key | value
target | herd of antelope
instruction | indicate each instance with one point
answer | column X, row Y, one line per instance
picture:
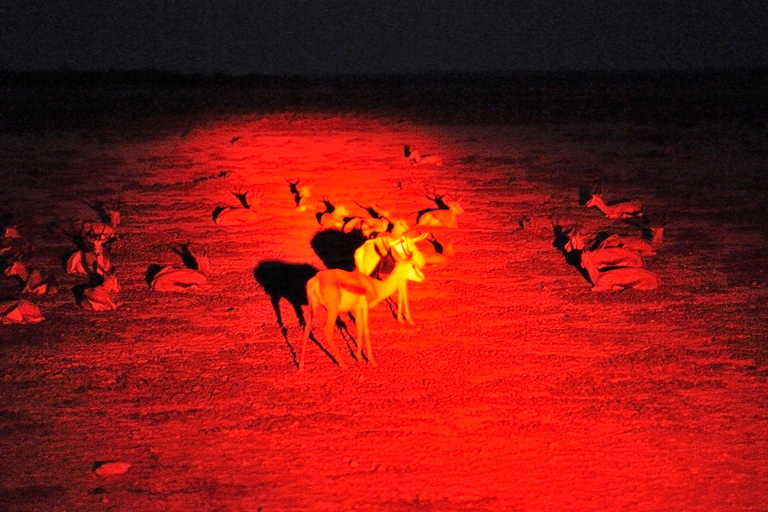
column 394, row 251
column 388, row 258
column 612, row 261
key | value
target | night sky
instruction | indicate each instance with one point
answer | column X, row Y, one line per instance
column 393, row 36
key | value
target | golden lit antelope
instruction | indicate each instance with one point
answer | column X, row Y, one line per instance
column 418, row 159
column 336, row 217
column 370, row 256
column 192, row 277
column 620, row 210
column 339, row 291
column 302, row 197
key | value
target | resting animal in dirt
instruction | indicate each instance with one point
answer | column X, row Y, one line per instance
column 418, row 159
column 19, row 312
column 439, row 217
column 85, row 261
column 192, row 277
column 97, row 295
column 303, row 198
column 238, row 215
column 615, row 279
column 34, row 282
column 580, row 241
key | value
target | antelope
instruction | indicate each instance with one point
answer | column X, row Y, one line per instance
column 237, row 215
column 34, row 281
column 617, row 279
column 381, row 222
column 335, row 217
column 339, row 291
column 9, row 233
column 620, row 279
column 193, row 276
column 104, row 228
column 98, row 296
column 621, row 210
column 611, row 257
column 84, row 262
column 303, row 198
column 108, row 216
column 370, row 256
column 19, row 312
column 443, row 218
column 418, row 159
column 578, row 241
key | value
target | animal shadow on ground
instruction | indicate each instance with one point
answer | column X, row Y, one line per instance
column 283, row 280
column 336, row 249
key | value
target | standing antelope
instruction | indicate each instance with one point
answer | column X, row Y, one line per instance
column 370, row 256
column 339, row 291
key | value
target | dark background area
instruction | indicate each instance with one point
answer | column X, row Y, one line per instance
column 296, row 37
column 58, row 100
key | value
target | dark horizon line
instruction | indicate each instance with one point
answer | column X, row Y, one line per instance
column 161, row 73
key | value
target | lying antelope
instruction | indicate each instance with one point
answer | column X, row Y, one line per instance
column 620, row 210
column 192, row 277
column 98, row 295
column 618, row 279
column 440, row 218
column 370, row 256
column 238, row 215
column 339, row 291
column 33, row 281
column 109, row 217
column 9, row 233
column 335, row 217
column 84, row 261
column 418, row 159
column 611, row 257
column 381, row 222
column 579, row 241
column 302, row 196
column 19, row 312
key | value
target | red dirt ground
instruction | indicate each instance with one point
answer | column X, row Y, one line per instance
column 516, row 389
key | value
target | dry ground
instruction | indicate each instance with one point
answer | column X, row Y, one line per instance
column 517, row 389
